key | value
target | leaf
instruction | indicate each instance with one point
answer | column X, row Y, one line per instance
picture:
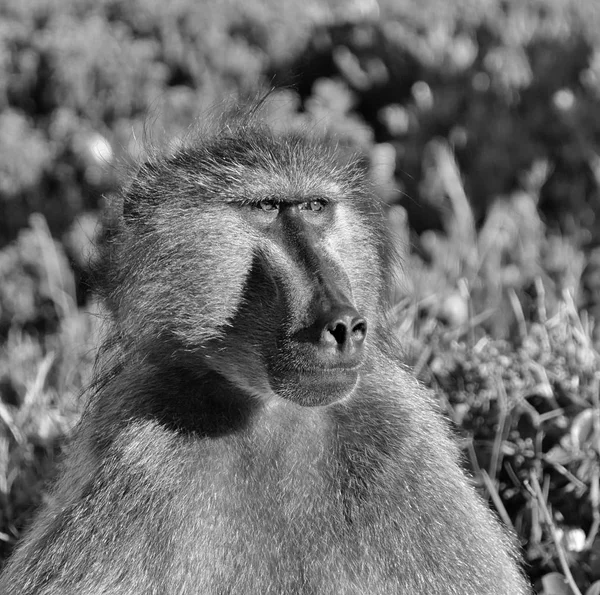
column 558, row 455
column 582, row 428
column 554, row 583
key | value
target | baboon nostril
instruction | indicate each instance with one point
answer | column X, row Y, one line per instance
column 339, row 332
column 359, row 329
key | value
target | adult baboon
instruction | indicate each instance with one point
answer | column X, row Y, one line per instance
column 253, row 431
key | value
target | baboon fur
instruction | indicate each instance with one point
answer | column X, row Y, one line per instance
column 203, row 463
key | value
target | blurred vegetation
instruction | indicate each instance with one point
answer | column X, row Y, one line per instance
column 480, row 122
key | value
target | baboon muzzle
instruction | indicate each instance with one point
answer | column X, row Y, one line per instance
column 335, row 329
column 342, row 334
column 345, row 330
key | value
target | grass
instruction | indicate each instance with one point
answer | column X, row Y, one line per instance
column 490, row 321
column 44, row 367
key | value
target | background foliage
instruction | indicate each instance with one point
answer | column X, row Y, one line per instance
column 480, row 123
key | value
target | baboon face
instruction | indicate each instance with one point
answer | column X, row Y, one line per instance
column 258, row 265
column 298, row 312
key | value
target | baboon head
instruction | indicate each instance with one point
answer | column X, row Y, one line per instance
column 253, row 255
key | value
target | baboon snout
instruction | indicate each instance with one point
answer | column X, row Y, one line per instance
column 342, row 334
column 344, row 329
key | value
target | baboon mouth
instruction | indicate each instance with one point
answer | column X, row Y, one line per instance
column 330, row 374
column 323, row 374
column 331, row 368
column 316, row 387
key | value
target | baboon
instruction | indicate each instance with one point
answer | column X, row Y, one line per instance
column 251, row 430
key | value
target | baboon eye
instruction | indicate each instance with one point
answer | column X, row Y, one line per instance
column 267, row 205
column 313, row 205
